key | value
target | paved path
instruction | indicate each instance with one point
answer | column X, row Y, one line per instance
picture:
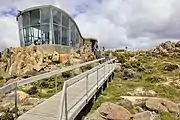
column 50, row 109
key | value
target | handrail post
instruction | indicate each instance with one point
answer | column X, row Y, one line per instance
column 114, row 63
column 108, row 68
column 97, row 76
column 62, row 102
column 16, row 100
column 56, row 83
column 65, row 102
column 104, row 70
column 87, row 83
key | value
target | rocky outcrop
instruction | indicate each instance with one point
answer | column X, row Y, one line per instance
column 162, row 105
column 146, row 115
column 21, row 61
column 129, row 74
column 110, row 111
column 25, row 103
column 171, row 66
column 64, row 58
column 168, row 48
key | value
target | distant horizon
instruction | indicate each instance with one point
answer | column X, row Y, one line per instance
column 112, row 49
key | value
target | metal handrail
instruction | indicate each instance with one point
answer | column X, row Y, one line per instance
column 72, row 81
column 7, row 88
column 13, row 86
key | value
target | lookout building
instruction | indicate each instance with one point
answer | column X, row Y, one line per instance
column 49, row 25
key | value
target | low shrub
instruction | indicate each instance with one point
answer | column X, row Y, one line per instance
column 7, row 115
column 67, row 74
column 33, row 90
column 155, row 79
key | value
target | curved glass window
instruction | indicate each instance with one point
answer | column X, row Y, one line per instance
column 57, row 34
column 45, row 15
column 45, row 34
column 65, row 20
column 34, row 17
column 56, row 17
column 65, row 36
column 47, row 25
column 26, row 19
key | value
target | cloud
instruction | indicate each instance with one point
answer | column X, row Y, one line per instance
column 138, row 24
column 8, row 32
column 8, row 9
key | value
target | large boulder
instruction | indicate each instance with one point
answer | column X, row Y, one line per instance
column 146, row 115
column 130, row 74
column 64, row 58
column 110, row 111
column 22, row 96
column 177, row 44
column 125, row 103
column 162, row 105
column 55, row 57
column 142, row 116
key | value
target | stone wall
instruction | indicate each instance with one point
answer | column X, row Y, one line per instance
column 51, row 48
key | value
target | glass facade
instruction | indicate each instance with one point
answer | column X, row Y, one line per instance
column 47, row 25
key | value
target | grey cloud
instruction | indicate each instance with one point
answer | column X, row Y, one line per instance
column 139, row 24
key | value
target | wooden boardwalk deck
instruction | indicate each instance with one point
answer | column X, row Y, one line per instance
column 79, row 91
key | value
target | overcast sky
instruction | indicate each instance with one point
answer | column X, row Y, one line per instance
column 138, row 24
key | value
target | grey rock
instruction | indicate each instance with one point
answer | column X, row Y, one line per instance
column 142, row 116
column 125, row 103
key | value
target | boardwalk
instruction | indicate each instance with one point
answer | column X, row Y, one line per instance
column 79, row 91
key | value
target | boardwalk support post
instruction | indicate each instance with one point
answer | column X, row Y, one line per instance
column 65, row 102
column 97, row 76
column 107, row 84
column 16, row 100
column 102, row 89
column 104, row 69
column 87, row 88
column 56, row 83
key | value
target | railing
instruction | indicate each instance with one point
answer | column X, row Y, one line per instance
column 13, row 86
column 86, row 87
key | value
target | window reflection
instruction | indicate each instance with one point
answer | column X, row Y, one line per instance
column 45, row 15
column 26, row 19
column 56, row 17
column 48, row 25
column 65, row 20
column 57, row 34
column 65, row 36
column 35, row 17
column 45, row 34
